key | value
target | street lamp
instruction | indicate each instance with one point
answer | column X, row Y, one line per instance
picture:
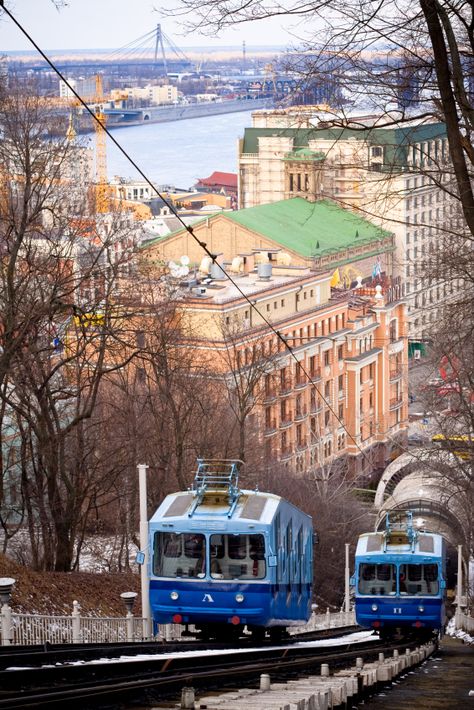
column 128, row 599
column 6, row 586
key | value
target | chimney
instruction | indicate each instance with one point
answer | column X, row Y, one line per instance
column 249, row 262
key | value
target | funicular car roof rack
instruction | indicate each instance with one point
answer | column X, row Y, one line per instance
column 217, row 476
column 400, row 530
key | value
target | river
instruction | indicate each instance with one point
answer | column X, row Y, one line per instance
column 179, row 152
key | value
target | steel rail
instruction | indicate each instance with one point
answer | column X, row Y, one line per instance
column 168, row 679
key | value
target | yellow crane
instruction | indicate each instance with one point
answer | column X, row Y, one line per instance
column 100, row 147
column 96, row 103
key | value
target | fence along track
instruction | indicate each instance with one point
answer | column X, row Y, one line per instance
column 33, row 629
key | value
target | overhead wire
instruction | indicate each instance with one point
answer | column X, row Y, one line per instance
column 187, row 227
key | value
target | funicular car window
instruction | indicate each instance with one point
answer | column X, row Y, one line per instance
column 179, row 554
column 237, row 556
column 377, row 579
column 419, row 580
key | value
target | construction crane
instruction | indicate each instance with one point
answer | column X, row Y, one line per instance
column 100, row 147
column 269, row 77
column 96, row 102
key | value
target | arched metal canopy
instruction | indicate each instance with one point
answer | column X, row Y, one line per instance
column 425, row 484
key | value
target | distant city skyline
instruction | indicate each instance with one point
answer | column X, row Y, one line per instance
column 110, row 24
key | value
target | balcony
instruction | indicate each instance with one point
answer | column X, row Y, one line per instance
column 270, row 428
column 315, row 407
column 396, row 402
column 301, row 445
column 286, row 420
column 395, row 346
column 301, row 382
column 315, row 375
column 286, row 453
column 395, row 374
column 269, row 395
column 300, row 414
column 286, row 387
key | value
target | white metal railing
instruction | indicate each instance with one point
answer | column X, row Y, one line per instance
column 29, row 629
column 318, row 622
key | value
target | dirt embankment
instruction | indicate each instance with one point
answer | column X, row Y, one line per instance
column 54, row 592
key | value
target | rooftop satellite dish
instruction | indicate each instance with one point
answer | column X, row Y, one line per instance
column 185, row 260
column 176, row 270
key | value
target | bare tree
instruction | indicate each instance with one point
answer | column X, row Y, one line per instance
column 62, row 331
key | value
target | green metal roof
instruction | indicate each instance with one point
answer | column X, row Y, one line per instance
column 396, row 141
column 308, row 228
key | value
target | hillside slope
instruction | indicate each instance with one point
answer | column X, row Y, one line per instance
column 54, row 592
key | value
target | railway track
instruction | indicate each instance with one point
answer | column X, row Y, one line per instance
column 89, row 683
column 51, row 654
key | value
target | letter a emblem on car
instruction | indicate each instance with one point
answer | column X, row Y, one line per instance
column 208, row 598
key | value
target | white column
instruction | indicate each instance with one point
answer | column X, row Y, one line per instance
column 459, row 589
column 144, row 569
column 347, row 607
column 6, row 626
column 76, row 622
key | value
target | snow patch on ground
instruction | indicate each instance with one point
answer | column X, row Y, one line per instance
column 451, row 630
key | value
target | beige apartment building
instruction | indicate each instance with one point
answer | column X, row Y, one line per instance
column 153, row 94
column 388, row 174
column 340, row 397
column 341, row 394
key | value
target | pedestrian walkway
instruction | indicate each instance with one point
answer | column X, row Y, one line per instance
column 442, row 683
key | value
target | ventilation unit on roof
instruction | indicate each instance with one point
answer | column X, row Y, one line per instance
column 217, row 272
column 264, row 271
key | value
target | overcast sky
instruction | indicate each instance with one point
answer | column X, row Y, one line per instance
column 87, row 24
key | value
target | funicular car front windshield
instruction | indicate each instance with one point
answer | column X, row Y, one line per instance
column 237, row 556
column 404, row 579
column 419, row 580
column 378, row 579
column 179, row 555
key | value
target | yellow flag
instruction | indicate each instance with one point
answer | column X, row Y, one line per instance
column 336, row 279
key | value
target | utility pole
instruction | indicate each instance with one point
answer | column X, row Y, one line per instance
column 145, row 567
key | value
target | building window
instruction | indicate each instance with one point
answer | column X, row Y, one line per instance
column 393, row 330
column 340, row 352
column 327, row 360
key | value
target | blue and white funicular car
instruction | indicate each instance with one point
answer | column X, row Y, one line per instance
column 400, row 579
column 224, row 558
